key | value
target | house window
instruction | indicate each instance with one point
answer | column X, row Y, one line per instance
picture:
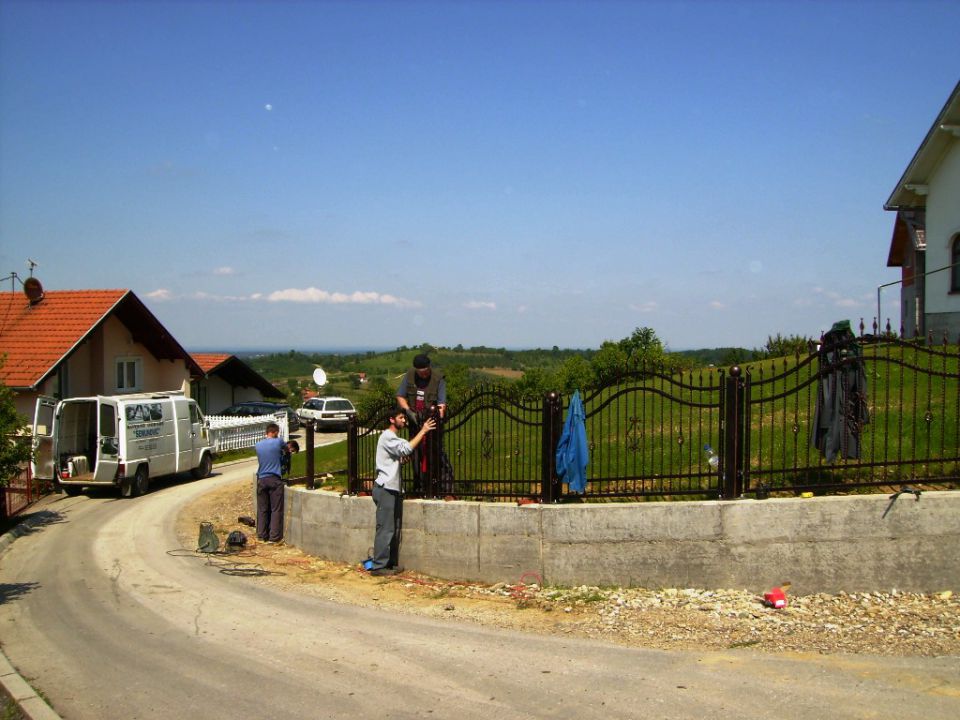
column 955, row 262
column 129, row 374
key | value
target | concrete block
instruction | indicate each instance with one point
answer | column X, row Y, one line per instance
column 632, row 564
column 441, row 538
column 509, row 542
column 16, row 687
column 36, row 708
column 596, row 523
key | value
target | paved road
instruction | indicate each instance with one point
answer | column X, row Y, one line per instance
column 101, row 613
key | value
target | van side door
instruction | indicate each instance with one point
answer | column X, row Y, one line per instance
column 198, row 432
column 184, row 434
column 108, row 442
column 43, row 464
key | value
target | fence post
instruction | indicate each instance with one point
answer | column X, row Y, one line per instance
column 431, row 446
column 550, row 485
column 353, row 482
column 309, row 439
column 732, row 478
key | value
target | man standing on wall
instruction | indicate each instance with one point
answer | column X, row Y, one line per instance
column 392, row 450
column 421, row 388
column 271, row 452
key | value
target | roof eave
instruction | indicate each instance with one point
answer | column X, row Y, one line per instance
column 910, row 191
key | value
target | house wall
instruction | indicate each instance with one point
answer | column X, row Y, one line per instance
column 157, row 374
column 943, row 223
column 221, row 394
column 91, row 369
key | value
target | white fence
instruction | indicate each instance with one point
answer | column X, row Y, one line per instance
column 228, row 432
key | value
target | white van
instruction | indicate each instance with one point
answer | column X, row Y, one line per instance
column 119, row 440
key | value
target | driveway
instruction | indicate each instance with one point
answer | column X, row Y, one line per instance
column 108, row 617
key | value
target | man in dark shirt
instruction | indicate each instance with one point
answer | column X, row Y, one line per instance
column 422, row 388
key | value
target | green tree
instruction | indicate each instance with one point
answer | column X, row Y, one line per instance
column 534, row 383
column 574, row 373
column 643, row 347
column 457, row 377
column 608, row 362
column 781, row 346
column 379, row 393
column 14, row 448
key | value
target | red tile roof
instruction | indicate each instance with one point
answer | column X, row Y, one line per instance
column 35, row 338
column 208, row 362
column 236, row 372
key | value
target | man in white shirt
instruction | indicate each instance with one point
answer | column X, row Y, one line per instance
column 392, row 450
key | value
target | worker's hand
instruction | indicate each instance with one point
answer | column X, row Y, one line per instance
column 428, row 425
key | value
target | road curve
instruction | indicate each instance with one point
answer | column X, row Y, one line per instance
column 100, row 612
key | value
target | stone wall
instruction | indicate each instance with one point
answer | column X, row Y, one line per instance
column 856, row 543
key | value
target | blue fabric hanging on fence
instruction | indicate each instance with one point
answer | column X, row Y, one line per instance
column 572, row 452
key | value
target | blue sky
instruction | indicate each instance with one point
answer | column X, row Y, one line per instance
column 519, row 174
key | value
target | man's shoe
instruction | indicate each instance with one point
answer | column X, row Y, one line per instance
column 397, row 568
column 383, row 571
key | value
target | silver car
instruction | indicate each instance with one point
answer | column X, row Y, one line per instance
column 328, row 412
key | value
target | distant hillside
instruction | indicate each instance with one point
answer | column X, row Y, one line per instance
column 716, row 356
column 295, row 364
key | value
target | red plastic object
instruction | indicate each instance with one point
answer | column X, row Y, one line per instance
column 775, row 598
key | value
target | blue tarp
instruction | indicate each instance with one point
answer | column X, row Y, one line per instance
column 572, row 452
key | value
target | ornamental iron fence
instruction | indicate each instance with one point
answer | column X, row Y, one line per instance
column 851, row 414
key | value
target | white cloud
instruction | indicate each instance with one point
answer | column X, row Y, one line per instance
column 480, row 305
column 224, row 270
column 839, row 300
column 717, row 305
column 645, row 307
column 295, row 295
column 358, row 297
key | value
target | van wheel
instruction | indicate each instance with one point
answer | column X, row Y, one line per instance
column 141, row 480
column 204, row 468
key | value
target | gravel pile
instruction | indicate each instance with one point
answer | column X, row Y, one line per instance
column 887, row 623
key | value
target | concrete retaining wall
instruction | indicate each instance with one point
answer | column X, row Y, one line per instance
column 819, row 544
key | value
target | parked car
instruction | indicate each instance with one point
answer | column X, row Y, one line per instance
column 328, row 412
column 262, row 407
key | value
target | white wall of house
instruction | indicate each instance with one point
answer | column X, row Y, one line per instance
column 221, row 394
column 943, row 224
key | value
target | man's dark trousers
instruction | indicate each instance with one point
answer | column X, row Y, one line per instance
column 270, row 507
column 386, row 542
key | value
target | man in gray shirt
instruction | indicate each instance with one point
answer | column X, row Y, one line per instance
column 392, row 450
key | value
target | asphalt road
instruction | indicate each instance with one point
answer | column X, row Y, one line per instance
column 101, row 613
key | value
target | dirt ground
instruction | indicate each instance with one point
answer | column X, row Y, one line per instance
column 888, row 623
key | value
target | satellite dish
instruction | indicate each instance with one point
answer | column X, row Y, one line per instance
column 33, row 290
column 320, row 377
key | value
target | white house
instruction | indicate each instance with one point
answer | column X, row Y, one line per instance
column 926, row 231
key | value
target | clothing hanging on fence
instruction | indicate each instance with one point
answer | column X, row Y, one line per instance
column 572, row 451
column 841, row 409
